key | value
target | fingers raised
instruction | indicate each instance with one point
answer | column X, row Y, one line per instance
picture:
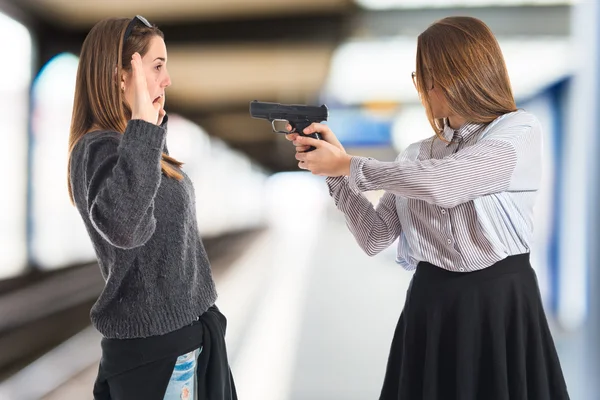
column 136, row 66
column 142, row 106
column 161, row 116
column 139, row 77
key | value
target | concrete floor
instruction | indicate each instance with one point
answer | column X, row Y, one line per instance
column 310, row 317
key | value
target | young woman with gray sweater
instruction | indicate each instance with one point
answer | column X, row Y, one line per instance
column 163, row 336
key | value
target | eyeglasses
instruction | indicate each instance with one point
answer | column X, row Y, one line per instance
column 428, row 85
column 134, row 20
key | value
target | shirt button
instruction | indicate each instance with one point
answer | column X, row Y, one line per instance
column 443, row 211
column 449, row 241
column 461, row 269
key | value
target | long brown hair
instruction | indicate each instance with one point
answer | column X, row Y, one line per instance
column 99, row 102
column 461, row 57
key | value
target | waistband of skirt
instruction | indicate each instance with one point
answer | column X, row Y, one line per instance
column 511, row 264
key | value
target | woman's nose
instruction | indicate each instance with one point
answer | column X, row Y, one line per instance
column 167, row 80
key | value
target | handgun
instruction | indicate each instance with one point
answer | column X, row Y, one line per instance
column 297, row 115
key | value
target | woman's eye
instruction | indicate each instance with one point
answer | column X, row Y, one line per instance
column 158, row 67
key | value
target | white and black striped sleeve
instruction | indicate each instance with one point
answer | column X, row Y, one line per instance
column 375, row 229
column 496, row 164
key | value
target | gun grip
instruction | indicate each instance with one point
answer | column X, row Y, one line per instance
column 315, row 135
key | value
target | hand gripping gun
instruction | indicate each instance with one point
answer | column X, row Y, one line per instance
column 298, row 116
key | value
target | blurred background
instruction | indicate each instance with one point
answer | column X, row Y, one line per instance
column 310, row 316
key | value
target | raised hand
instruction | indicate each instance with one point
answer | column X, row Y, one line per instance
column 142, row 106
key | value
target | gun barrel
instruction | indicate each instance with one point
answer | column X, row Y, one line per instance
column 260, row 109
column 288, row 112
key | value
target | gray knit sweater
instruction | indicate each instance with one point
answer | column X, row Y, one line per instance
column 144, row 231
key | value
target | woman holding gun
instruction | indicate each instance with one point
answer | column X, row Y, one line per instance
column 461, row 204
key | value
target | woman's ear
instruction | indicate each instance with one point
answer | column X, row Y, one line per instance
column 124, row 78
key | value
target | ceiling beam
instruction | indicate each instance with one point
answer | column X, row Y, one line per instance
column 331, row 25
column 324, row 29
column 554, row 20
column 216, row 76
column 82, row 14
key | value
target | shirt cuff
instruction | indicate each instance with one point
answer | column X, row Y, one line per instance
column 335, row 183
column 356, row 175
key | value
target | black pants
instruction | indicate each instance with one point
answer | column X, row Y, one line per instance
column 133, row 369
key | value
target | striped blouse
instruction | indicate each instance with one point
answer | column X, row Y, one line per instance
column 462, row 206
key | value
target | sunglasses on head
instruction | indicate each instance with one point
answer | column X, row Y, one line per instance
column 135, row 20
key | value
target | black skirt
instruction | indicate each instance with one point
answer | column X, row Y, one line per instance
column 474, row 336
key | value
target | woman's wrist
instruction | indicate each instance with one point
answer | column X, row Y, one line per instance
column 346, row 163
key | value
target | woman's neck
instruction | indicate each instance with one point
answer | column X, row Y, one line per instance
column 456, row 122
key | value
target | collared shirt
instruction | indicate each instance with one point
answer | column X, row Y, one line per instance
column 462, row 205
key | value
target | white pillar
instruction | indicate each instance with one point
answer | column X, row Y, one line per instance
column 579, row 236
column 589, row 14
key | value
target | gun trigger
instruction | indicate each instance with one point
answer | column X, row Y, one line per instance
column 277, row 130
